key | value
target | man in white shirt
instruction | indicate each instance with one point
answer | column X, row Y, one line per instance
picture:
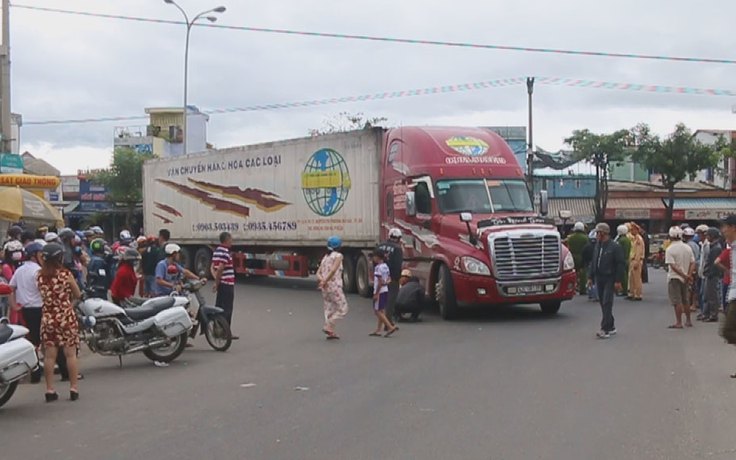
column 27, row 298
column 681, row 262
column 728, row 331
column 700, row 230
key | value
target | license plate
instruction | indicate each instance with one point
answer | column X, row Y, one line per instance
column 533, row 289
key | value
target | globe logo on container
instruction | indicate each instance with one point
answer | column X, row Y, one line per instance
column 468, row 146
column 326, row 182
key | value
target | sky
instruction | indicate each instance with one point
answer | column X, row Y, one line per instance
column 70, row 67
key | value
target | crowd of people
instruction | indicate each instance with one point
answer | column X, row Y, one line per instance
column 701, row 271
column 48, row 271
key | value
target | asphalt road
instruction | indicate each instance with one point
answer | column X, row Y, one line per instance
column 502, row 384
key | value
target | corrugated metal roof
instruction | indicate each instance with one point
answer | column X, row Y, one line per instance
column 726, row 204
column 582, row 209
column 635, row 203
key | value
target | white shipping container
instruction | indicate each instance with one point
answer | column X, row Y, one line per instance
column 288, row 193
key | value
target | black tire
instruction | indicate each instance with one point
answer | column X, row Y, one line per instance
column 551, row 307
column 185, row 258
column 445, row 294
column 362, row 277
column 202, row 261
column 177, row 346
column 218, row 334
column 6, row 392
column 349, row 283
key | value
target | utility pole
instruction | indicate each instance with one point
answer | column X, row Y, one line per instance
column 5, row 79
column 530, row 136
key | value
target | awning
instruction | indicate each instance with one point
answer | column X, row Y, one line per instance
column 71, row 207
column 704, row 208
column 582, row 209
column 635, row 208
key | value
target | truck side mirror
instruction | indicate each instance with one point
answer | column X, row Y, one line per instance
column 543, row 203
column 411, row 203
column 467, row 217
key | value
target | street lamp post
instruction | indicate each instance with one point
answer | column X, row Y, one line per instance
column 530, row 147
column 190, row 24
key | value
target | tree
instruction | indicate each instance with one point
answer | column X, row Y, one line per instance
column 677, row 157
column 602, row 151
column 346, row 121
column 124, row 180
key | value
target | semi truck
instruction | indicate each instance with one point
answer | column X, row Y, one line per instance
column 470, row 230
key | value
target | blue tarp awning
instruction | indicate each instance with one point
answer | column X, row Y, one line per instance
column 725, row 204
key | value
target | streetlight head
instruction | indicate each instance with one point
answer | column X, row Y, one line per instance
column 211, row 18
column 220, row 9
column 169, row 1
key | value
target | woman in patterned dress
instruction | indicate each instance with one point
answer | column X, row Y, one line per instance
column 59, row 326
column 330, row 283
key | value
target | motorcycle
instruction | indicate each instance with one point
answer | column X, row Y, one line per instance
column 17, row 358
column 157, row 327
column 208, row 319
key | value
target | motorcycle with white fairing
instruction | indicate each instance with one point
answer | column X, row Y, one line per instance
column 158, row 328
column 17, row 358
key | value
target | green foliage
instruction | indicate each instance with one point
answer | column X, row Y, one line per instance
column 124, row 179
column 346, row 121
column 602, row 151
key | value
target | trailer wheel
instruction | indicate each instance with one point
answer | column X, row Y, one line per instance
column 348, row 274
column 551, row 307
column 445, row 294
column 185, row 258
column 362, row 277
column 202, row 261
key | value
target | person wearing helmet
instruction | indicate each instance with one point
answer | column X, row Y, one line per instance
column 126, row 278
column 607, row 271
column 624, row 241
column 711, row 277
column 576, row 242
column 125, row 238
column 12, row 258
column 14, row 233
column 636, row 263
column 680, row 261
column 394, row 255
column 329, row 276
column 98, row 270
column 59, row 325
column 41, row 232
column 166, row 282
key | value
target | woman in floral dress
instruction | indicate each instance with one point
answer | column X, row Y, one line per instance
column 59, row 326
column 330, row 283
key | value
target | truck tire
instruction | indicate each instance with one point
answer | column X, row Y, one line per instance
column 349, row 284
column 551, row 307
column 445, row 294
column 362, row 277
column 202, row 261
column 185, row 258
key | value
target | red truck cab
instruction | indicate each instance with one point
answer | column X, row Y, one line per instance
column 471, row 233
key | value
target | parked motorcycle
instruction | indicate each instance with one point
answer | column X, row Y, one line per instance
column 208, row 319
column 158, row 328
column 17, row 358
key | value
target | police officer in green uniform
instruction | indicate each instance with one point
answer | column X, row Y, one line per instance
column 624, row 241
column 576, row 242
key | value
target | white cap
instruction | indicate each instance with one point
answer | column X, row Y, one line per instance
column 675, row 232
column 622, row 229
column 171, row 248
column 50, row 236
column 394, row 233
column 579, row 227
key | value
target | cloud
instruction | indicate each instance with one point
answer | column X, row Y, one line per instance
column 76, row 67
column 69, row 160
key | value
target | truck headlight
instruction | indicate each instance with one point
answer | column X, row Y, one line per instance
column 474, row 266
column 569, row 263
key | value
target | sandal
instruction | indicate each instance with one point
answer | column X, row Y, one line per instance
column 51, row 397
column 733, row 376
column 333, row 336
column 688, row 324
column 388, row 334
column 674, row 326
column 374, row 334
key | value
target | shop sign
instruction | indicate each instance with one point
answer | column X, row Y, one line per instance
column 29, row 181
column 11, row 163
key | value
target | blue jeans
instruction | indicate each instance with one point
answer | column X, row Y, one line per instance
column 593, row 292
column 149, row 282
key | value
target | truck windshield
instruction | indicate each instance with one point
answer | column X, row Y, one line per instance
column 483, row 196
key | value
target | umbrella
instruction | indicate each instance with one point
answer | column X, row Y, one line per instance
column 20, row 204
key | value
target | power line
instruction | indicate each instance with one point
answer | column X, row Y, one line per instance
column 445, row 89
column 409, row 41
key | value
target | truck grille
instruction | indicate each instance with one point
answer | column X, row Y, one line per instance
column 526, row 256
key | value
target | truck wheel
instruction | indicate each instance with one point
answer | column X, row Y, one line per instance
column 202, row 261
column 551, row 307
column 445, row 294
column 348, row 274
column 362, row 277
column 185, row 258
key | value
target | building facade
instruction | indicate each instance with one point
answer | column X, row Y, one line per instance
column 163, row 135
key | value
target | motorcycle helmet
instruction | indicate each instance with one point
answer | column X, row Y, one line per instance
column 33, row 249
column 334, row 242
column 579, row 227
column 97, row 230
column 97, row 246
column 66, row 234
column 52, row 251
column 394, row 234
column 14, row 232
column 126, row 237
column 51, row 236
column 88, row 234
column 130, row 255
column 172, row 248
column 675, row 233
column 688, row 232
column 172, row 269
column 13, row 246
